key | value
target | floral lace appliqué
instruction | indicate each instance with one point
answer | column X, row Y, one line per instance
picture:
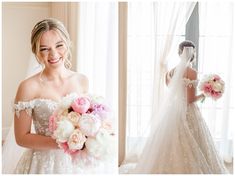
column 190, row 83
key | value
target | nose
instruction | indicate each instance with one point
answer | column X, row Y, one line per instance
column 53, row 53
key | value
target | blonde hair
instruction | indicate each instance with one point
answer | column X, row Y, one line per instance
column 46, row 25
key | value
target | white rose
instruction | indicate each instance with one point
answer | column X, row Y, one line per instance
column 76, row 140
column 74, row 117
column 94, row 147
column 89, row 124
column 107, row 124
column 63, row 131
column 101, row 146
column 217, row 86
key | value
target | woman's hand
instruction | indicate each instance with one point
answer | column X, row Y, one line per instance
column 202, row 97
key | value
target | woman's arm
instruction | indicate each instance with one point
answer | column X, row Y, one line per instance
column 199, row 97
column 22, row 124
column 191, row 90
column 24, row 137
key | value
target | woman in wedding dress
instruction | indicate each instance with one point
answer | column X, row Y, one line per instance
column 180, row 142
column 36, row 99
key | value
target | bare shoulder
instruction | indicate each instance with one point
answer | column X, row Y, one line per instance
column 191, row 73
column 28, row 89
column 83, row 81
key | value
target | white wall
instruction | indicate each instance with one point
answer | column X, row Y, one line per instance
column 18, row 20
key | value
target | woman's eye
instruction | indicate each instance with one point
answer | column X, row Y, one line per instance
column 44, row 49
column 58, row 46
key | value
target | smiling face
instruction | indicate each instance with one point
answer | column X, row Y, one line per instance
column 51, row 43
column 52, row 49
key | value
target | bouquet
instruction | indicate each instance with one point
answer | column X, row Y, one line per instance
column 212, row 86
column 84, row 124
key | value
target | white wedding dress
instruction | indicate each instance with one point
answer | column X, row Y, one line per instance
column 190, row 150
column 180, row 142
column 55, row 161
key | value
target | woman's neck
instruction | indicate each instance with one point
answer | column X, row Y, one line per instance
column 58, row 74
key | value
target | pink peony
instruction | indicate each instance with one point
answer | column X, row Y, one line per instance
column 216, row 95
column 81, row 105
column 212, row 86
column 100, row 110
column 81, row 120
column 207, row 88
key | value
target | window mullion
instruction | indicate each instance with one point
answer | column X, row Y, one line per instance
column 192, row 31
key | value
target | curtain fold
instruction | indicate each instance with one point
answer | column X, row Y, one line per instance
column 98, row 50
column 216, row 52
column 170, row 20
column 154, row 30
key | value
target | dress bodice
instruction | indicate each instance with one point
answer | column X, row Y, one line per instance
column 41, row 109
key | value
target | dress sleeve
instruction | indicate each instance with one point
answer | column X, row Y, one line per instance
column 23, row 105
column 190, row 83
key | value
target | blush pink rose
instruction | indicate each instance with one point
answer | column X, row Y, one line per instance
column 81, row 105
column 76, row 140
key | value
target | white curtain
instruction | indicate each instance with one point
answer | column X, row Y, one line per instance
column 154, row 30
column 98, row 49
column 216, row 55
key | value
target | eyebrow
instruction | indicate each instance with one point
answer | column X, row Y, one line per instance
column 56, row 44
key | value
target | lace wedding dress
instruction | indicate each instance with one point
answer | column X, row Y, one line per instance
column 54, row 161
column 187, row 150
column 180, row 142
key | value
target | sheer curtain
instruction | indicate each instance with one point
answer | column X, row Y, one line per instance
column 97, row 49
column 216, row 55
column 154, row 30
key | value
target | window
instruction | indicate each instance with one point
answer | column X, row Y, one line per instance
column 210, row 28
column 215, row 53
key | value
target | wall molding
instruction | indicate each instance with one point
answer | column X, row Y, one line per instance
column 20, row 5
column 122, row 92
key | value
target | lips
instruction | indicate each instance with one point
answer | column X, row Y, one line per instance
column 54, row 61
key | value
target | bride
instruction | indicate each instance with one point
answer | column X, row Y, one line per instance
column 36, row 99
column 180, row 143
